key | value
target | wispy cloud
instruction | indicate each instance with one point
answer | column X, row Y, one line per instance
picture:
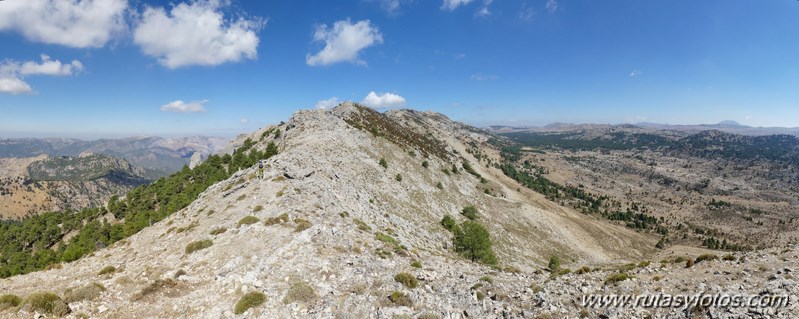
column 454, row 4
column 636, row 73
column 552, row 5
column 526, row 13
column 196, row 33
column 483, row 77
column 383, row 100
column 179, row 106
column 343, row 42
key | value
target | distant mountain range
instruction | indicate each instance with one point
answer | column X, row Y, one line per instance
column 727, row 126
column 156, row 155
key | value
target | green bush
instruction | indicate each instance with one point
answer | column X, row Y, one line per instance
column 554, row 263
column 383, row 163
column 416, row 264
column 9, row 301
column 439, row 185
column 386, row 238
column 198, row 245
column 470, row 212
column 398, row 177
column 47, row 303
column 425, row 164
column 300, row 292
column 361, row 225
column 487, row 279
column 406, row 279
column 258, row 208
column 449, row 223
column 728, row 257
column 107, row 270
column 474, row 242
column 154, row 287
column 689, row 263
column 247, row 220
column 218, row 231
column 400, row 299
column 616, row 278
column 249, row 300
column 583, row 270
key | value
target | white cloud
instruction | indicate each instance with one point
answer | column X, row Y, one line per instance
column 454, row 4
column 51, row 67
column 244, row 121
column 196, row 33
column 343, row 41
column 383, row 100
column 179, row 106
column 13, row 85
column 526, row 13
column 74, row 23
column 552, row 5
column 12, row 73
column 484, row 11
column 636, row 73
column 327, row 104
column 483, row 77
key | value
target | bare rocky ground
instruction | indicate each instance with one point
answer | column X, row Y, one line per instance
column 339, row 200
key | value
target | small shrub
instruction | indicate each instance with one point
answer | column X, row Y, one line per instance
column 425, row 164
column 706, row 257
column 487, row 279
column 561, row 272
column 449, row 223
column 644, row 263
column 583, row 270
column 198, row 245
column 689, row 263
column 344, row 214
column 480, row 295
column 439, row 185
column 258, row 208
column 400, row 299
column 179, row 273
column 398, row 177
column 361, row 225
column 383, row 163
column 470, row 212
column 241, row 197
column 554, row 263
column 536, row 288
column 627, row 267
column 88, row 292
column 218, row 231
column 154, row 287
column 386, row 238
column 728, row 257
column 107, row 270
column 300, row 292
column 406, row 279
column 47, row 303
column 249, row 300
column 302, row 224
column 247, row 220
column 9, row 301
column 616, row 278
column 416, row 264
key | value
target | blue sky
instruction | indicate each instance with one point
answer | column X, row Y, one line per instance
column 113, row 68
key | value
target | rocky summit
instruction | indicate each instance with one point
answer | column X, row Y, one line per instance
column 347, row 223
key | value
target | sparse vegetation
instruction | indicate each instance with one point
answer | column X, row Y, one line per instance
column 249, row 300
column 616, row 278
column 217, row 231
column 198, row 245
column 247, row 220
column 470, row 212
column 583, row 270
column 282, row 218
column 416, row 264
column 154, row 287
column 398, row 177
column 383, row 163
column 344, row 214
column 107, row 270
column 425, row 164
column 406, row 280
column 554, row 264
column 300, row 292
column 728, row 257
column 301, row 224
column 400, row 299
column 241, row 197
column 706, row 257
column 47, row 303
column 361, row 225
column 88, row 292
column 487, row 279
column 9, row 301
column 258, row 208
column 439, row 185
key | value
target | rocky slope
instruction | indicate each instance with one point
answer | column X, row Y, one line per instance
column 351, row 225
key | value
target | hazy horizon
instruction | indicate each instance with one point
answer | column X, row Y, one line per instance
column 221, row 68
